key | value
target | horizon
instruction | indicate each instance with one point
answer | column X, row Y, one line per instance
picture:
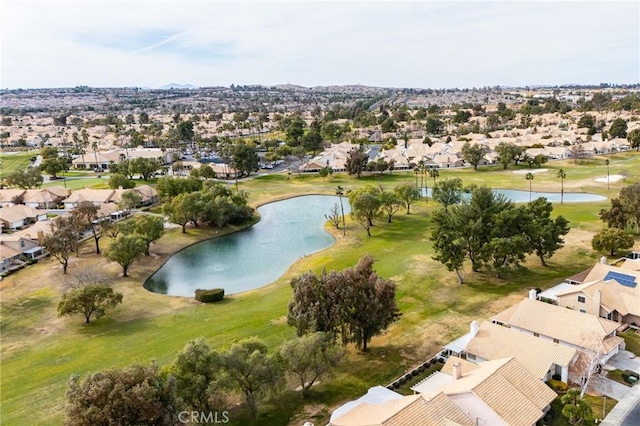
column 424, row 44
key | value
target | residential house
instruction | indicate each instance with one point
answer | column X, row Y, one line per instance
column 542, row 358
column 581, row 331
column 8, row 197
column 46, row 198
column 17, row 248
column 609, row 292
column 96, row 196
column 19, row 215
column 497, row 392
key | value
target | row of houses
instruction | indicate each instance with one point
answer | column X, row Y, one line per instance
column 496, row 373
column 24, row 226
column 443, row 155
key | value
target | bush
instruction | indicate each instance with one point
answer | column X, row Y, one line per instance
column 558, row 386
column 210, row 296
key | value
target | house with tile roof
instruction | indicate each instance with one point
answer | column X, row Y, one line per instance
column 542, row 358
column 568, row 327
column 46, row 198
column 607, row 291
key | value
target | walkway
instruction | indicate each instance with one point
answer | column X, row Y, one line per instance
column 627, row 410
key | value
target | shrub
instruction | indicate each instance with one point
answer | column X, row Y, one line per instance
column 558, row 386
column 210, row 296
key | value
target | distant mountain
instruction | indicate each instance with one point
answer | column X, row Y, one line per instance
column 177, row 86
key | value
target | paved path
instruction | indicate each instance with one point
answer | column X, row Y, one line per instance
column 627, row 410
column 611, row 388
column 623, row 361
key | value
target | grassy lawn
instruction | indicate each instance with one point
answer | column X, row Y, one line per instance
column 48, row 350
column 12, row 162
column 632, row 341
column 616, row 375
column 555, row 417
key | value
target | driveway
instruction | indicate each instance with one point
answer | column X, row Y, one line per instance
column 627, row 410
column 611, row 388
column 625, row 360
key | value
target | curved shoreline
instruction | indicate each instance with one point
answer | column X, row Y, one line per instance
column 255, row 220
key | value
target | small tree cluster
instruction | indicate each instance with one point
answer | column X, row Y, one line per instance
column 354, row 304
column 132, row 239
column 625, row 209
column 215, row 204
column 491, row 231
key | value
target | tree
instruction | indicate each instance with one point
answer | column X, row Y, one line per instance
column 630, row 200
column 448, row 192
column 356, row 161
column 611, row 240
column 197, row 370
column 390, row 204
column 473, row 154
column 407, row 193
column 25, row 178
column 434, row 173
column 129, row 200
column 545, row 234
column 182, row 209
column 252, row 371
column 356, row 303
column 150, row 229
column 562, row 175
column 245, row 159
column 365, row 206
column 312, row 141
column 145, row 166
column 575, row 409
column 529, row 177
column 618, row 128
column 616, row 216
column 634, row 138
column 433, row 126
column 134, row 395
column 371, row 302
column 334, row 216
column 143, row 118
column 310, row 358
column 89, row 299
column 53, row 166
column 185, row 130
column 295, row 130
column 340, row 193
column 587, row 121
column 450, row 250
column 63, row 240
column 86, row 214
column 118, row 180
column 125, row 249
column 473, row 224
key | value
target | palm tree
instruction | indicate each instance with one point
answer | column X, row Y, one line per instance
column 434, row 173
column 340, row 193
column 416, row 170
column 607, row 163
column 529, row 177
column 562, row 175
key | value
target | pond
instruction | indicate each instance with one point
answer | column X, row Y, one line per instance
column 518, row 196
column 252, row 258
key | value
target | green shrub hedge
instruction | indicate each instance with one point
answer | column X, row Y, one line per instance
column 210, row 296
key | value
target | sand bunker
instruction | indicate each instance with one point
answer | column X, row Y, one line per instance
column 532, row 171
column 612, row 178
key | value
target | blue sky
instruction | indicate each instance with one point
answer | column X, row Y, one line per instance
column 428, row 44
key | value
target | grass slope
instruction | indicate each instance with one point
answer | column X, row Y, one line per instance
column 40, row 351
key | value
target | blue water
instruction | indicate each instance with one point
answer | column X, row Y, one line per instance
column 254, row 257
column 518, row 196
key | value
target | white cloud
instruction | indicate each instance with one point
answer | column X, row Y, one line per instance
column 408, row 44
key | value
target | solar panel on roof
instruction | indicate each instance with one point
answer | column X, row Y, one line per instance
column 625, row 280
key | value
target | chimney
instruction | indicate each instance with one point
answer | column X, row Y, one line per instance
column 474, row 328
column 40, row 237
column 533, row 294
column 597, row 302
column 603, row 260
column 457, row 371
